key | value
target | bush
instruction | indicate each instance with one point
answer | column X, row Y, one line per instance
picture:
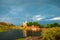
column 51, row 34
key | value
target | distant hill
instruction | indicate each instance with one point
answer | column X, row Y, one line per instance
column 4, row 26
column 5, row 23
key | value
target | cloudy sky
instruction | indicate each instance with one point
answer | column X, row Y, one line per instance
column 18, row 11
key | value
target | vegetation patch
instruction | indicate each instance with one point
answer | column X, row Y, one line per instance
column 51, row 34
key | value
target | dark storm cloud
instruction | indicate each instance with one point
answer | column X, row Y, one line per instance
column 17, row 11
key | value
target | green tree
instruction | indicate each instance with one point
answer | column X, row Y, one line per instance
column 49, row 25
column 29, row 23
column 35, row 24
column 55, row 24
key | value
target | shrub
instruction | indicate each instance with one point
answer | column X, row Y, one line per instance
column 51, row 34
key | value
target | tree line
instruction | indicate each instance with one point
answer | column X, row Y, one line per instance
column 6, row 26
column 55, row 24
